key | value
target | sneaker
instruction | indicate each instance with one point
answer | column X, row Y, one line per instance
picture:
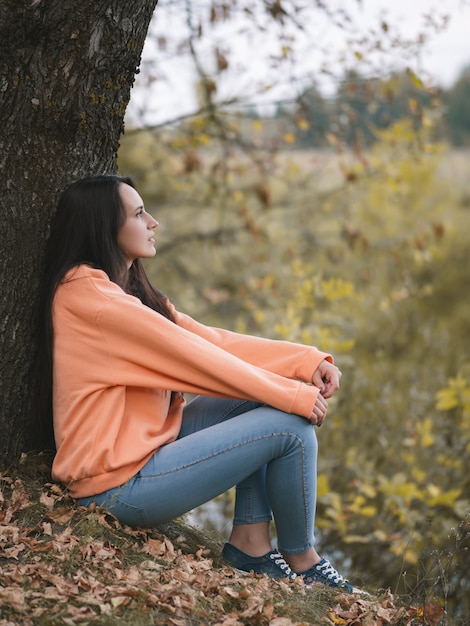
column 271, row 563
column 274, row 565
column 323, row 572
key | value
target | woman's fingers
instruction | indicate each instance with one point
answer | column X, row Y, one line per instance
column 326, row 378
column 319, row 411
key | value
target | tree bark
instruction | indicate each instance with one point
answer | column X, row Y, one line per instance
column 67, row 68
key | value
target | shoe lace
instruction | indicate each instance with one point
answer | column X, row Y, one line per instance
column 330, row 572
column 282, row 564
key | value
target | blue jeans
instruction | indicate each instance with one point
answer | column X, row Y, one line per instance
column 269, row 455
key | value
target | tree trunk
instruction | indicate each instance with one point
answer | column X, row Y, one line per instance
column 67, row 68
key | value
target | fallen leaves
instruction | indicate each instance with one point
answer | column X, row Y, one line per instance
column 53, row 567
column 13, row 596
column 69, row 565
column 429, row 614
column 357, row 611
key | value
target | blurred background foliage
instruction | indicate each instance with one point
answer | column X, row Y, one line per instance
column 341, row 222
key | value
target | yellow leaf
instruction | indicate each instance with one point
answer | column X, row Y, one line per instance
column 446, row 399
column 411, row 556
column 414, row 78
column 368, row 490
column 335, row 618
column 343, row 346
column 368, row 511
column 289, row 138
column 259, row 316
column 323, row 486
column 445, row 499
column 204, row 139
column 355, row 539
column 402, row 549
column 459, row 382
column 418, row 474
column 380, row 535
column 285, row 51
column 425, row 430
column 404, row 490
column 434, row 490
column 336, row 288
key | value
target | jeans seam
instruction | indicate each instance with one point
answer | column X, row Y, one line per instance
column 306, row 511
column 253, row 520
column 305, row 508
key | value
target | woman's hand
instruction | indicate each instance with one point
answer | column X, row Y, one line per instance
column 318, row 413
column 326, row 378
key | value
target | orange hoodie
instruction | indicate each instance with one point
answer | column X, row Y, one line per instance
column 115, row 362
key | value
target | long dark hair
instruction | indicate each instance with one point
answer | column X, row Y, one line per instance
column 84, row 230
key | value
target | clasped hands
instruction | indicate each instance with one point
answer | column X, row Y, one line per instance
column 326, row 377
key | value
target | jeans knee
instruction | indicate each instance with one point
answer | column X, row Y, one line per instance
column 306, row 436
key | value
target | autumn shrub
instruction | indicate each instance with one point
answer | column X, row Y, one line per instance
column 390, row 302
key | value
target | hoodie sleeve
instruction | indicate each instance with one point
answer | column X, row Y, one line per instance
column 147, row 350
column 285, row 358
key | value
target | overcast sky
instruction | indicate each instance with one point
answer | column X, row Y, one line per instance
column 441, row 59
column 449, row 51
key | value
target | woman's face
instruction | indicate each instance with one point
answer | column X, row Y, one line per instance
column 136, row 236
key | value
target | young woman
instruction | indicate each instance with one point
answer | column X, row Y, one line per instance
column 116, row 359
